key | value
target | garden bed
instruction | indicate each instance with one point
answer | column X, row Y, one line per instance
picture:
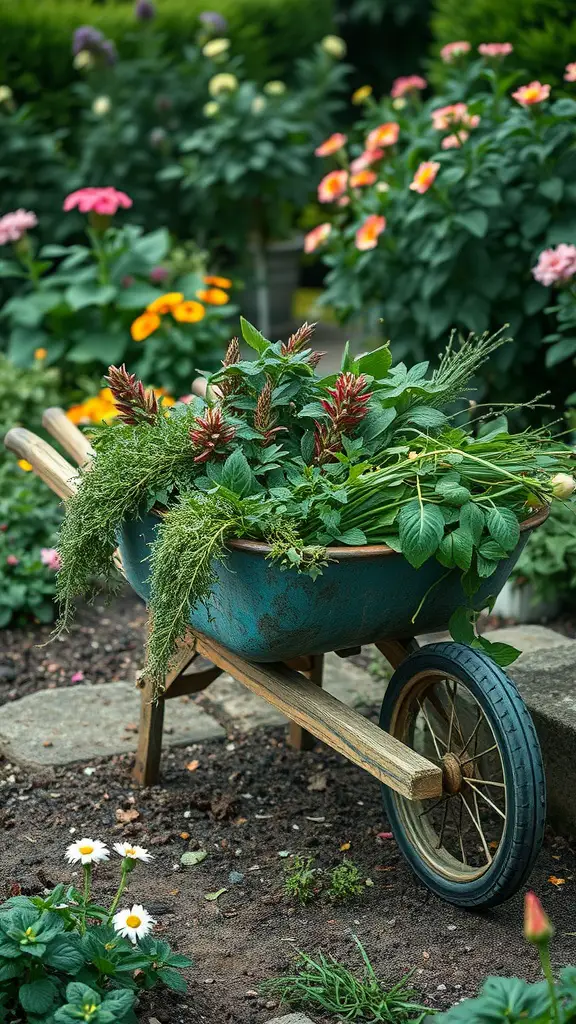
column 254, row 795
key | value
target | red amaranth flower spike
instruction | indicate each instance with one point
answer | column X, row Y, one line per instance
column 134, row 403
column 264, row 418
column 299, row 340
column 346, row 411
column 211, row 434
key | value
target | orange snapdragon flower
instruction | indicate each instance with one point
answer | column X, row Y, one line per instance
column 368, row 234
column 384, row 135
column 218, row 282
column 528, row 95
column 363, row 177
column 332, row 186
column 145, row 325
column 40, row 353
column 316, row 237
column 331, row 145
column 425, row 176
column 165, row 303
column 213, row 296
column 189, row 312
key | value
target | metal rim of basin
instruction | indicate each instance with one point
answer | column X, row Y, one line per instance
column 457, row 835
column 257, row 547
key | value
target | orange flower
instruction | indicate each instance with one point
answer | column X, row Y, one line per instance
column 40, row 353
column 165, row 303
column 218, row 282
column 332, row 186
column 317, row 237
column 145, row 325
column 385, row 135
column 167, row 398
column 368, row 157
column 537, row 926
column 213, row 296
column 528, row 95
column 189, row 312
column 425, row 176
column 368, row 234
column 363, row 178
column 331, row 145
column 25, row 465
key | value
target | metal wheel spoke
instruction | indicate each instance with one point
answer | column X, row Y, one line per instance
column 476, row 757
column 487, row 799
column 427, row 810
column 481, row 718
column 441, row 836
column 432, row 733
column 479, row 830
column 485, row 782
column 458, row 823
column 454, row 714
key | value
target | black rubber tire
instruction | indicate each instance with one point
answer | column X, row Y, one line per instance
column 514, row 730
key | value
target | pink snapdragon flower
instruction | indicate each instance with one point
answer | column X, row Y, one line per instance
column 12, row 560
column 384, row 135
column 425, row 176
column 570, row 72
column 369, row 232
column 332, row 186
column 407, row 83
column 104, row 201
column 331, row 145
column 555, row 265
column 449, row 52
column 368, row 157
column 14, row 225
column 495, row 49
column 454, row 141
column 454, row 114
column 51, row 558
column 317, row 237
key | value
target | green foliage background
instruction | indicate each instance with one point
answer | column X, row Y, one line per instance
column 543, row 32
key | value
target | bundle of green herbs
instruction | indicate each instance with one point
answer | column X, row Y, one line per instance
column 376, row 454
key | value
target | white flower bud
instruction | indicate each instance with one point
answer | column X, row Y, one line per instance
column 334, row 46
column 224, row 82
column 563, row 485
column 101, row 106
column 6, row 94
column 275, row 87
column 258, row 104
column 216, row 47
column 211, row 108
column 83, row 60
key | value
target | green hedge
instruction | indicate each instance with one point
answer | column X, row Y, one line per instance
column 35, row 56
column 543, row 32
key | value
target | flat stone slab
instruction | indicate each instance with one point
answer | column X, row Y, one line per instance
column 342, row 678
column 526, row 638
column 55, row 727
column 292, row 1018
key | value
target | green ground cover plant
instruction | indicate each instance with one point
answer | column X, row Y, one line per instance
column 379, row 453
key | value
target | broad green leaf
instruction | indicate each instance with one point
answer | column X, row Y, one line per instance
column 312, row 410
column 38, row 996
column 376, row 421
column 138, row 296
column 65, row 954
column 307, row 447
column 152, row 248
column 354, row 537
column 119, row 1001
column 452, row 492
column 475, row 221
column 89, row 293
column 456, row 549
column 236, row 474
column 426, row 416
column 172, row 979
column 375, row 363
column 192, row 857
column 472, row 519
column 421, row 528
column 503, row 526
column 461, row 627
column 99, row 348
column 502, row 654
column 253, row 337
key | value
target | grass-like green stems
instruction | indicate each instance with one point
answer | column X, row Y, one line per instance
column 322, row 985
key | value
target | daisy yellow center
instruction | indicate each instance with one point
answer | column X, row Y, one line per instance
column 130, row 852
column 133, row 921
column 85, row 850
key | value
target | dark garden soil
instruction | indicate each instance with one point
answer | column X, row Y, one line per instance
column 248, row 800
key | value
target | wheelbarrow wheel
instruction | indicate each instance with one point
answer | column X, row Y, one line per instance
column 475, row 845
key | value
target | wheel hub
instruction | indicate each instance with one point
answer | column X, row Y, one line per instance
column 451, row 773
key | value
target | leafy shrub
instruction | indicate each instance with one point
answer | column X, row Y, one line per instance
column 384, row 38
column 36, row 58
column 548, row 563
column 458, row 250
column 79, row 302
column 346, row 882
column 65, row 958
column 543, row 32
column 29, row 513
column 301, row 882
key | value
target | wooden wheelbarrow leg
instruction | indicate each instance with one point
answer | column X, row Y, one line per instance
column 312, row 667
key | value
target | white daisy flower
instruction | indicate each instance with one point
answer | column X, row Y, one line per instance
column 133, row 924
column 87, row 851
column 133, row 852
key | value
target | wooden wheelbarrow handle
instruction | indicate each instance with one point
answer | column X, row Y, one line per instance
column 61, row 477
column 67, row 434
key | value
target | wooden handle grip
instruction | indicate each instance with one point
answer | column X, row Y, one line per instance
column 67, row 434
column 61, row 477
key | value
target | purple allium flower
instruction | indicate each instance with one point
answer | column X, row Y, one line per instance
column 87, row 38
column 144, row 10
column 109, row 51
column 213, row 22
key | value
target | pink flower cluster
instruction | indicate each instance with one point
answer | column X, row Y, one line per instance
column 570, row 72
column 407, row 83
column 104, row 201
column 455, row 114
column 495, row 49
column 556, row 265
column 13, row 225
column 51, row 558
column 451, row 51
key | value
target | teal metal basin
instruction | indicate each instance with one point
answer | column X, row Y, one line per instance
column 366, row 594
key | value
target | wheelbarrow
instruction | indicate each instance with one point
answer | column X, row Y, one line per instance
column 455, row 750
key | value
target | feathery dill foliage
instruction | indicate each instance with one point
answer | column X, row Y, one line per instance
column 133, row 467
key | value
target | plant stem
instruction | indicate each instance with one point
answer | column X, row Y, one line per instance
column 123, row 881
column 544, row 953
column 86, row 896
